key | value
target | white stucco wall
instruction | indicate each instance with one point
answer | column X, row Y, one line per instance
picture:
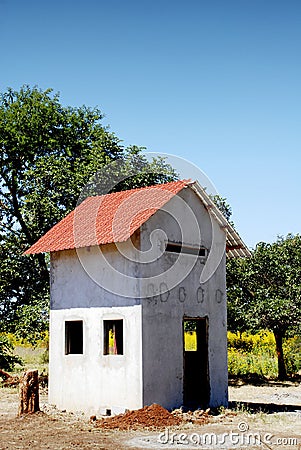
column 92, row 382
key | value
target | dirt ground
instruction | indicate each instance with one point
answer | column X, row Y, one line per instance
column 266, row 416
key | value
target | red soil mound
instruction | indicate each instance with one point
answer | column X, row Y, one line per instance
column 154, row 416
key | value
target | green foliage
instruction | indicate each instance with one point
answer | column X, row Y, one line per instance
column 292, row 352
column 16, row 341
column 252, row 354
column 264, row 291
column 266, row 288
column 49, row 152
column 222, row 205
column 258, row 343
column 246, row 364
column 190, row 325
column 275, row 277
column 7, row 358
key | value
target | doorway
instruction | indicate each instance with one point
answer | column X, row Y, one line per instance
column 196, row 374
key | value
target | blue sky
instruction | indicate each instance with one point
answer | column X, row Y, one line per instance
column 214, row 82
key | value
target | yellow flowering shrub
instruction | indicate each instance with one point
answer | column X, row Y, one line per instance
column 256, row 354
column 41, row 343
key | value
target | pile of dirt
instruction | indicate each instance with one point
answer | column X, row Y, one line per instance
column 154, row 416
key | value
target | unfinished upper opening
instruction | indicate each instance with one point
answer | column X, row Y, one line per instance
column 179, row 247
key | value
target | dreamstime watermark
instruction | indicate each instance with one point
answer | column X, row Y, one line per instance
column 121, row 278
column 240, row 438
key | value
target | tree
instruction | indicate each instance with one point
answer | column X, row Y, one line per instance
column 222, row 205
column 238, row 295
column 266, row 290
column 48, row 153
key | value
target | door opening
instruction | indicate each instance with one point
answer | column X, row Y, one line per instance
column 196, row 374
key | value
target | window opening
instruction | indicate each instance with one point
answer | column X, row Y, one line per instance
column 113, row 337
column 74, row 337
column 180, row 248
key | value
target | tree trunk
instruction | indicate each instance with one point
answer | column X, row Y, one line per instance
column 282, row 375
column 29, row 392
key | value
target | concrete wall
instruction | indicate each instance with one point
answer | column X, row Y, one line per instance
column 92, row 382
column 78, row 278
column 163, row 313
column 152, row 300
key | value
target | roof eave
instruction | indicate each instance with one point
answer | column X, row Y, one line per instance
column 235, row 246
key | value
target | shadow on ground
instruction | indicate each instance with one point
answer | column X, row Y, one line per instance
column 268, row 408
column 259, row 380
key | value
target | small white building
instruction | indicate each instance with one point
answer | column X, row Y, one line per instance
column 138, row 300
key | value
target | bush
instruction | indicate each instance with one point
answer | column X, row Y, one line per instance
column 44, row 358
column 257, row 343
column 7, row 358
column 292, row 352
column 256, row 354
column 42, row 342
column 242, row 364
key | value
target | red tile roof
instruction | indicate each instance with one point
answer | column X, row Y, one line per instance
column 107, row 218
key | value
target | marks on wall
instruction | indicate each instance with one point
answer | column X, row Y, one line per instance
column 163, row 295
